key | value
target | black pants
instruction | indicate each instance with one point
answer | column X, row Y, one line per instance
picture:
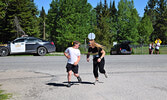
column 98, row 65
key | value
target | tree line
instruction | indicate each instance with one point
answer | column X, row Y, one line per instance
column 69, row 20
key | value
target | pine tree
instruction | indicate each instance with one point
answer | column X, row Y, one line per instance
column 145, row 29
column 3, row 7
column 128, row 20
column 72, row 21
column 113, row 21
column 52, row 19
column 150, row 10
column 156, row 10
column 99, row 13
column 133, row 23
column 25, row 11
column 160, row 28
column 102, row 30
column 113, row 11
column 43, row 23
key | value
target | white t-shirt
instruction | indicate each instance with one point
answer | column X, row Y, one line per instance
column 150, row 46
column 74, row 53
column 157, row 45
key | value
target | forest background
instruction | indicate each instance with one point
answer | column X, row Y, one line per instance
column 69, row 20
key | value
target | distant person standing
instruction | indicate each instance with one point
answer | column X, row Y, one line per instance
column 98, row 58
column 73, row 56
column 157, row 47
column 151, row 48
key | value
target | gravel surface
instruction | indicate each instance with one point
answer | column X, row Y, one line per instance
column 130, row 77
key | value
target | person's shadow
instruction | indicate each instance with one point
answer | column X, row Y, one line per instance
column 57, row 84
column 64, row 84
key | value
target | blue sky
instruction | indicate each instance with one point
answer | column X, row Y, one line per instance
column 139, row 4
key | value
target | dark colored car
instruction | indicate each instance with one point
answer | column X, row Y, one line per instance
column 27, row 45
column 121, row 48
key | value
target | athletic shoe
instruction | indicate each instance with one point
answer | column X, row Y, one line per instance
column 69, row 84
column 105, row 75
column 96, row 81
column 79, row 79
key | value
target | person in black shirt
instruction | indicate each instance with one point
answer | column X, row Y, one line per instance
column 98, row 58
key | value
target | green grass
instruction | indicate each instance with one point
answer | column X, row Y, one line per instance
column 145, row 50
column 55, row 54
column 4, row 96
column 163, row 50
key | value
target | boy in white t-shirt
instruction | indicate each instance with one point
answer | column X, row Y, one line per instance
column 157, row 47
column 73, row 56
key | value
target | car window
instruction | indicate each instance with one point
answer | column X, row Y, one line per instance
column 125, row 46
column 115, row 46
column 40, row 40
column 19, row 40
column 31, row 41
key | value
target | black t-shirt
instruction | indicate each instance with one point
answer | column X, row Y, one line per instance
column 95, row 50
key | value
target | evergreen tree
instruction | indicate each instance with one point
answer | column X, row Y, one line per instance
column 98, row 10
column 42, row 23
column 133, row 23
column 113, row 21
column 93, row 20
column 3, row 7
column 72, row 21
column 31, row 27
column 26, row 12
column 123, row 20
column 128, row 21
column 145, row 29
column 150, row 10
column 156, row 9
column 52, row 19
column 103, row 34
column 160, row 28
column 113, row 11
column 105, row 11
column 103, row 31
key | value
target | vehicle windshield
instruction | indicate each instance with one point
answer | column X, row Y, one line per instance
column 125, row 46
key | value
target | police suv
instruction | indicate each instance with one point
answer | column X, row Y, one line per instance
column 24, row 45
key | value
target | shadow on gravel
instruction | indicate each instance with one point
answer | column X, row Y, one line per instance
column 75, row 82
column 57, row 84
column 64, row 84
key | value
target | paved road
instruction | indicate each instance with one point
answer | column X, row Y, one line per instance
column 130, row 77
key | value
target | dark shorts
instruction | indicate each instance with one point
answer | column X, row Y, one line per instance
column 156, row 49
column 72, row 67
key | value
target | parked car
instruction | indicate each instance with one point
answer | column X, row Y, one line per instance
column 121, row 48
column 27, row 45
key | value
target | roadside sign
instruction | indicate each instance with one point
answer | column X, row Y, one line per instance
column 158, row 40
column 91, row 36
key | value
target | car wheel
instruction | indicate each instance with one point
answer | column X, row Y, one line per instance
column 4, row 52
column 41, row 51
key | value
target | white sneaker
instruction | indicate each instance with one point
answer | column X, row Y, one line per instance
column 96, row 81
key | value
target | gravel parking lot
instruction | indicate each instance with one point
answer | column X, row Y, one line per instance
column 130, row 77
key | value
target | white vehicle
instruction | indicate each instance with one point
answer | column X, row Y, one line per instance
column 27, row 45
